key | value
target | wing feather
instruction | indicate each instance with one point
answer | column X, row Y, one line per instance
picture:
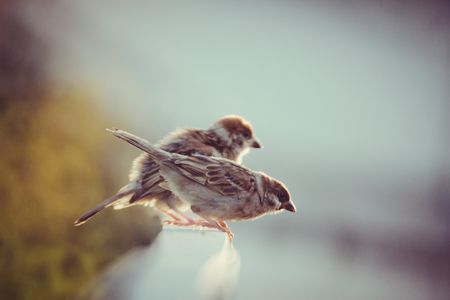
column 220, row 175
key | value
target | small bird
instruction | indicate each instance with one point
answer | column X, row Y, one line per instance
column 217, row 189
column 230, row 137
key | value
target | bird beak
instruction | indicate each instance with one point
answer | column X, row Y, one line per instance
column 288, row 206
column 254, row 143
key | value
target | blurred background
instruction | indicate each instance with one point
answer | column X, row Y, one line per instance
column 350, row 99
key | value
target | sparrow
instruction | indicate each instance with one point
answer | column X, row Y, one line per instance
column 230, row 137
column 217, row 189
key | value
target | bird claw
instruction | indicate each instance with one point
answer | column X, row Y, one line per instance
column 230, row 236
column 203, row 223
column 177, row 222
column 220, row 226
column 228, row 232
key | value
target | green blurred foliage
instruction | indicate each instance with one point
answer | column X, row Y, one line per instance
column 57, row 161
column 52, row 171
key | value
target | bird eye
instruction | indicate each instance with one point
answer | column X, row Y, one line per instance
column 282, row 195
column 246, row 134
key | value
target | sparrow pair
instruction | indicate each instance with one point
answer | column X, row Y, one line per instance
column 200, row 168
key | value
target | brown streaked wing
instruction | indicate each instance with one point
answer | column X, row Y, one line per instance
column 217, row 180
column 191, row 167
column 199, row 162
column 151, row 178
column 219, row 175
column 239, row 176
column 230, row 191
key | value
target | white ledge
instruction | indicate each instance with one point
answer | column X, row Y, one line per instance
column 180, row 264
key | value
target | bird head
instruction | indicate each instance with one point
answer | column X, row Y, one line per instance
column 237, row 134
column 276, row 196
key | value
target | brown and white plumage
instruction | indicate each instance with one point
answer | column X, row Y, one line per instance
column 230, row 137
column 217, row 189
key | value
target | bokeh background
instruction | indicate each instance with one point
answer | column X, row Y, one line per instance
column 350, row 99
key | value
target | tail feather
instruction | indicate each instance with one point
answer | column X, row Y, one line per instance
column 101, row 206
column 155, row 153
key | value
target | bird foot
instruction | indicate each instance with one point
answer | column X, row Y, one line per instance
column 177, row 222
column 204, row 223
column 221, row 226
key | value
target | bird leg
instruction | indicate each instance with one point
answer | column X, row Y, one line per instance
column 207, row 222
column 171, row 202
column 170, row 215
column 213, row 224
column 177, row 220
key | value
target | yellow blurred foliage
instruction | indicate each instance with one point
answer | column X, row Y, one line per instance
column 52, row 161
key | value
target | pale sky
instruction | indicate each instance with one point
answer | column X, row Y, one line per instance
column 347, row 99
